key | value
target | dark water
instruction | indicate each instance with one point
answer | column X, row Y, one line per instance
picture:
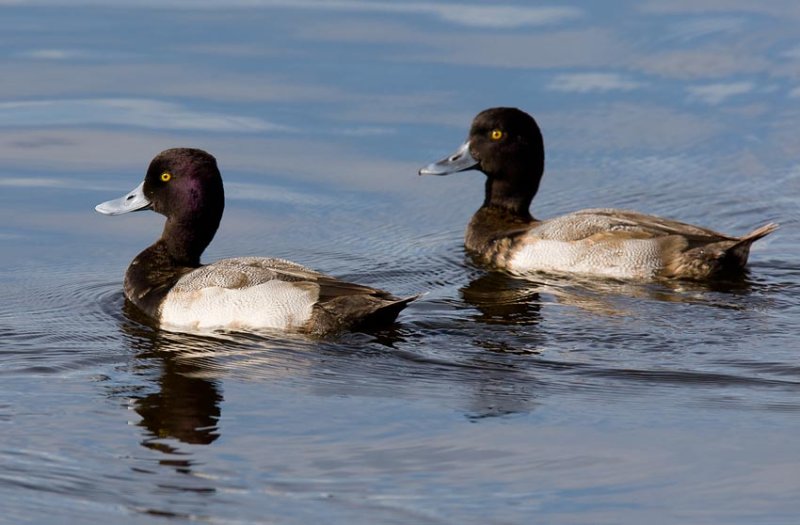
column 493, row 400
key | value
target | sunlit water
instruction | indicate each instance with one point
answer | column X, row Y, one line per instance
column 493, row 399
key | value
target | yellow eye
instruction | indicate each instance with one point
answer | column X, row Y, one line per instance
column 166, row 176
column 496, row 134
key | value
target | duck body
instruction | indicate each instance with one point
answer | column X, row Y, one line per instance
column 506, row 144
column 167, row 282
column 610, row 243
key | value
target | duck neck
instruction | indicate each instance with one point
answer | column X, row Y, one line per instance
column 185, row 238
column 511, row 196
column 502, row 196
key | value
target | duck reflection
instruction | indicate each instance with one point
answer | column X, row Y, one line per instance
column 613, row 298
column 517, row 300
column 510, row 311
column 502, row 299
column 185, row 408
column 185, row 405
column 185, row 370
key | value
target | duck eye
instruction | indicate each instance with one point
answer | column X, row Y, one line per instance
column 166, row 176
column 496, row 134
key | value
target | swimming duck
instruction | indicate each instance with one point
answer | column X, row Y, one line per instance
column 167, row 282
column 507, row 146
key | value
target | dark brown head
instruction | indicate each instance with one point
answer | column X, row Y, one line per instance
column 183, row 182
column 185, row 185
column 505, row 144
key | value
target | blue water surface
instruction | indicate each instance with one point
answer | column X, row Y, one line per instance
column 493, row 400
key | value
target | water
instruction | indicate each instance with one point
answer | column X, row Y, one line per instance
column 493, row 400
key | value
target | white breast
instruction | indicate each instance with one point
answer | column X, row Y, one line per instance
column 274, row 304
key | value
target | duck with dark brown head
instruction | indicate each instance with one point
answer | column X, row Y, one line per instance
column 506, row 145
column 168, row 283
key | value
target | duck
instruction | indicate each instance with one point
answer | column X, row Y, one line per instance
column 506, row 144
column 168, row 283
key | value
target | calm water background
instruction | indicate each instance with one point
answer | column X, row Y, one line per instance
column 493, row 400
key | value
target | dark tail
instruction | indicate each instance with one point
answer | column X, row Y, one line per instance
column 386, row 313
column 737, row 253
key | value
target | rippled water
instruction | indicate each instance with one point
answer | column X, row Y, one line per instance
column 493, row 399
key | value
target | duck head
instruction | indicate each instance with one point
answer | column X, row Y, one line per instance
column 184, row 185
column 507, row 146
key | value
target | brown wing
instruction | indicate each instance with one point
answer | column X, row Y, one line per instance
column 603, row 222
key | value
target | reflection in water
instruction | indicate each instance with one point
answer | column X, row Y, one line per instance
column 513, row 309
column 503, row 299
column 185, row 406
column 496, row 381
column 510, row 310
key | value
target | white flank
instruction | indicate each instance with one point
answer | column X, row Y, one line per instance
column 631, row 259
column 276, row 304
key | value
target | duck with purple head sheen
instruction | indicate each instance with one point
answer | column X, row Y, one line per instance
column 168, row 283
column 506, row 145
